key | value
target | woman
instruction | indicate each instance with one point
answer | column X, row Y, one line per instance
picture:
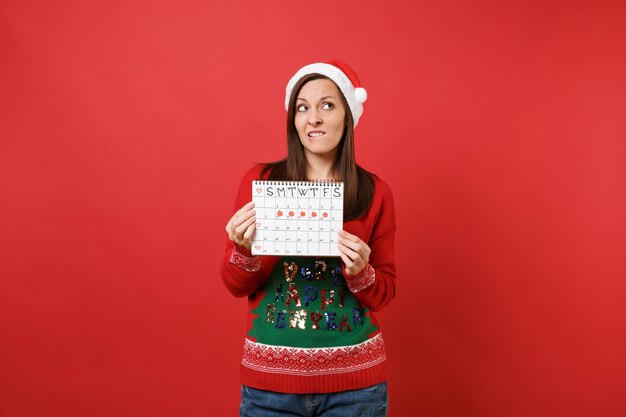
column 314, row 346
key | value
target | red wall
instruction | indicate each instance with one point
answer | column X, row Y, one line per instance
column 125, row 128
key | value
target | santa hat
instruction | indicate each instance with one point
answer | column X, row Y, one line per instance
column 345, row 78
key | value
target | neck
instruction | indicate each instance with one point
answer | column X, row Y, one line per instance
column 319, row 169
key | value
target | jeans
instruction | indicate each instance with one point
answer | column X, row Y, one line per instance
column 366, row 402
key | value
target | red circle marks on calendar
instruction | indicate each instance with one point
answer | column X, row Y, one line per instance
column 325, row 215
column 279, row 213
column 302, row 214
column 291, row 214
column 314, row 214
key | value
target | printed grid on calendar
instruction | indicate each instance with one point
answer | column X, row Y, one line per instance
column 297, row 218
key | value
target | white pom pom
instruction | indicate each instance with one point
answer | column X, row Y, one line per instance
column 360, row 94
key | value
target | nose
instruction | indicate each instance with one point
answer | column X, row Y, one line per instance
column 314, row 117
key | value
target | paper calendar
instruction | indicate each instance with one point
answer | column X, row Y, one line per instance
column 297, row 218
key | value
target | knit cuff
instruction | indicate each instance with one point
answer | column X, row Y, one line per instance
column 244, row 259
column 362, row 280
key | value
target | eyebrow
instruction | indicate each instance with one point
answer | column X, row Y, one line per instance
column 323, row 98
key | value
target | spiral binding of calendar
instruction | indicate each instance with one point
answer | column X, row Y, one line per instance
column 299, row 183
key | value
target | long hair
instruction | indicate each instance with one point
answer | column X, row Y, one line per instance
column 358, row 183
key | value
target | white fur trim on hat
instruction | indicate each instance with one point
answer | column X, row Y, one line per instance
column 354, row 96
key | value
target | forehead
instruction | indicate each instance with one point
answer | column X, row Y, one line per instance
column 321, row 87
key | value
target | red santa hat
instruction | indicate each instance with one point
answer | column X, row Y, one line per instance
column 345, row 78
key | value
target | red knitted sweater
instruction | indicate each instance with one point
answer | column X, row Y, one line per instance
column 311, row 327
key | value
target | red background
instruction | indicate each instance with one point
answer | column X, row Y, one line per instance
column 125, row 128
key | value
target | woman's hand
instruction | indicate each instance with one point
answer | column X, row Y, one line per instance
column 242, row 225
column 354, row 252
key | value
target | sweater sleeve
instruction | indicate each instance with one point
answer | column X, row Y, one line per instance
column 375, row 285
column 241, row 271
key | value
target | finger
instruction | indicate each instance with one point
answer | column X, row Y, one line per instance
column 355, row 246
column 246, row 241
column 241, row 229
column 243, row 213
column 357, row 261
column 347, row 261
column 349, row 236
column 353, row 255
column 352, row 269
column 351, row 266
column 230, row 230
column 243, row 216
column 249, row 231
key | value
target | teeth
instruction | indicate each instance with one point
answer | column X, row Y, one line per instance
column 315, row 134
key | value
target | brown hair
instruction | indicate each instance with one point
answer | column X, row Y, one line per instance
column 358, row 183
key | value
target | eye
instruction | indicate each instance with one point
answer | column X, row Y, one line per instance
column 328, row 106
column 301, row 108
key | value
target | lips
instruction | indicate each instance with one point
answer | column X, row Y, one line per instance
column 315, row 133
